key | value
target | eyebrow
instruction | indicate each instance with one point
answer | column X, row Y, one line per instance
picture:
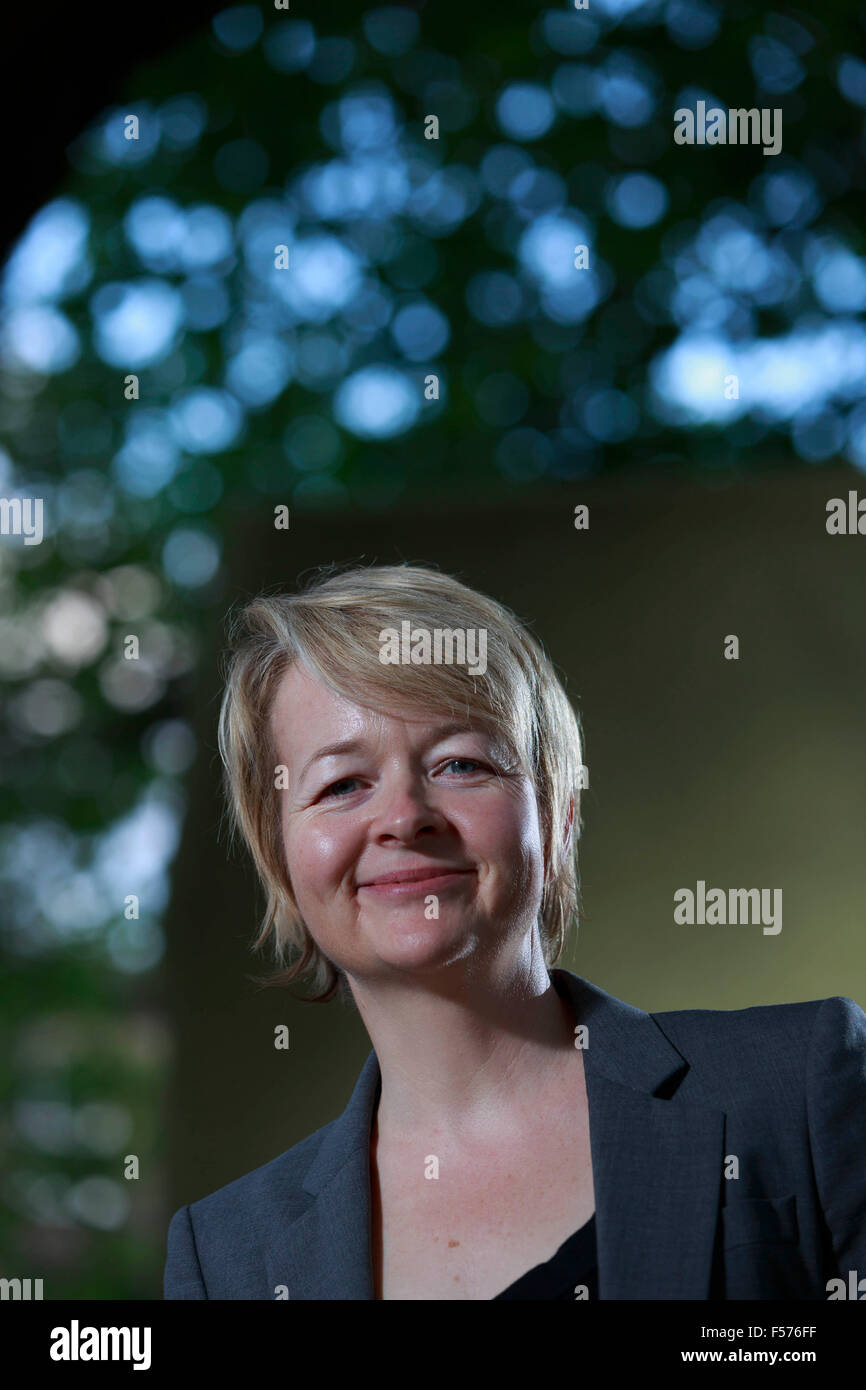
column 354, row 745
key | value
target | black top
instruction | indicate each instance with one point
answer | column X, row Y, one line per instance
column 574, row 1263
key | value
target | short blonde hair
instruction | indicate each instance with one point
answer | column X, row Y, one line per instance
column 332, row 626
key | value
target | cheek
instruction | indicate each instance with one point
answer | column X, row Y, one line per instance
column 530, row 826
column 318, row 856
column 506, row 828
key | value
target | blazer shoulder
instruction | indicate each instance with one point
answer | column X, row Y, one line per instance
column 231, row 1226
column 713, row 1040
column 757, row 1018
column 280, row 1177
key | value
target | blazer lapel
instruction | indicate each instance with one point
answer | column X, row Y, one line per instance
column 326, row 1251
column 657, row 1155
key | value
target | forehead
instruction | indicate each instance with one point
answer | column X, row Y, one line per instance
column 305, row 711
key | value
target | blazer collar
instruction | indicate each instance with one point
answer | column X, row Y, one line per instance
column 657, row 1162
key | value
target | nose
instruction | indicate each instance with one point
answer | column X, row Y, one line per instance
column 406, row 813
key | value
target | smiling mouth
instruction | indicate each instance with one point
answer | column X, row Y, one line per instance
column 414, row 880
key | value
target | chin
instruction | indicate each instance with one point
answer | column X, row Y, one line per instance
column 418, row 945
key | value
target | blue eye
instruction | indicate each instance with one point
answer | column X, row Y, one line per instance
column 470, row 766
column 344, row 781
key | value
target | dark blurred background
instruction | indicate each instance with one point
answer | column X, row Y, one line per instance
column 431, row 379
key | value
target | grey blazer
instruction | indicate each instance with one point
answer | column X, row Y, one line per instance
column 679, row 1102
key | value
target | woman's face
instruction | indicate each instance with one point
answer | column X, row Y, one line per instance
column 402, row 796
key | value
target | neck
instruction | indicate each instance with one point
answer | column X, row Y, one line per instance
column 462, row 1056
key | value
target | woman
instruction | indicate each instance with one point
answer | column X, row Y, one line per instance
column 516, row 1132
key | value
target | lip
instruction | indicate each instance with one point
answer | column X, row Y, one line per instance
column 406, row 881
